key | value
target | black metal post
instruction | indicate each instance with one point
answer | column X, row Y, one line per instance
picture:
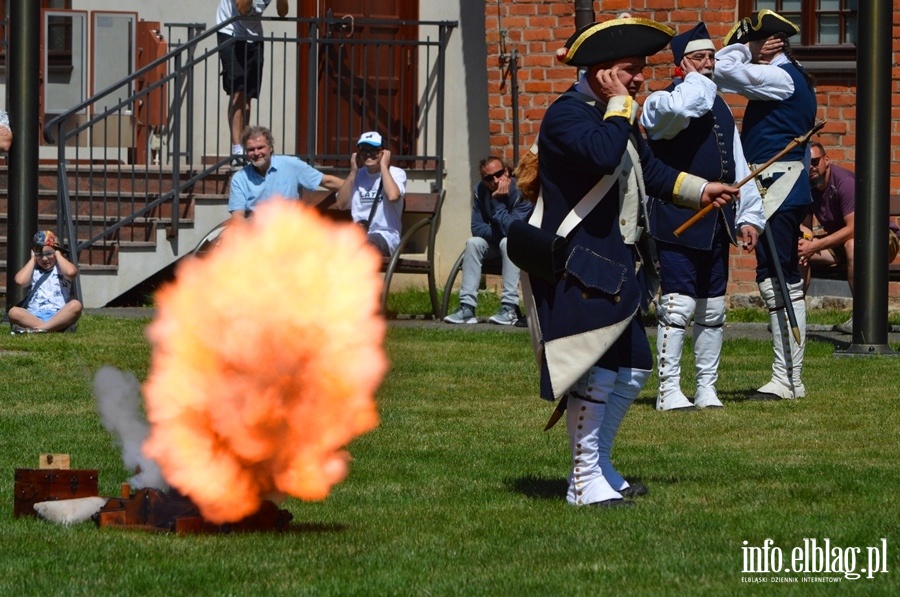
column 24, row 68
column 873, row 151
column 584, row 16
column 584, row 13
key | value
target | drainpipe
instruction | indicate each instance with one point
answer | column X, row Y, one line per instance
column 23, row 80
column 584, row 13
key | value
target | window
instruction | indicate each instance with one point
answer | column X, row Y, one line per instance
column 59, row 33
column 827, row 28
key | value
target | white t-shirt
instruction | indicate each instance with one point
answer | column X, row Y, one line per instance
column 52, row 294
column 388, row 215
column 241, row 29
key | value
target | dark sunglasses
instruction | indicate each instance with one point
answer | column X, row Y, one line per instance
column 494, row 175
column 369, row 150
column 814, row 162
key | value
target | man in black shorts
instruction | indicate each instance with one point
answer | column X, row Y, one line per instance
column 242, row 61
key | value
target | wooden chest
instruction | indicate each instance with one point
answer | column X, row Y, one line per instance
column 41, row 485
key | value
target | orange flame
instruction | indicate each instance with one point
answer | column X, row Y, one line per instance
column 266, row 357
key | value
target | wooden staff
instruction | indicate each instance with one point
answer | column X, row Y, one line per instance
column 797, row 141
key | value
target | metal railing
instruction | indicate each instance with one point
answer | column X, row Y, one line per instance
column 129, row 155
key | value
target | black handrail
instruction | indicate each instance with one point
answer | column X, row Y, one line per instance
column 171, row 76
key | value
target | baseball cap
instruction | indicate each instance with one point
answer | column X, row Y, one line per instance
column 45, row 238
column 371, row 138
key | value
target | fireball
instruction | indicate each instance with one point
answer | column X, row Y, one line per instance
column 266, row 357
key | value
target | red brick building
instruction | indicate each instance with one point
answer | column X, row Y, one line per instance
column 536, row 28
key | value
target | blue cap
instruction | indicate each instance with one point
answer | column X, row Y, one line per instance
column 697, row 38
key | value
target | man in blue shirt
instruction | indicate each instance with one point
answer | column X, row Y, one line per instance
column 497, row 202
column 269, row 175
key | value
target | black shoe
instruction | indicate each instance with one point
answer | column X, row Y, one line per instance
column 522, row 322
column 613, row 503
column 634, row 490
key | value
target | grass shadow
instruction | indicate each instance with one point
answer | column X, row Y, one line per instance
column 320, row 528
column 829, row 339
column 539, row 487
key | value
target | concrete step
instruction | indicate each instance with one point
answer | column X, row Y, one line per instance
column 100, row 196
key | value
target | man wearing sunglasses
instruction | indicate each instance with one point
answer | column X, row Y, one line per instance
column 496, row 203
column 834, row 203
column 691, row 128
column 374, row 192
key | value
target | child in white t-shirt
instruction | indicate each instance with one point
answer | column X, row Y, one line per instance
column 48, row 306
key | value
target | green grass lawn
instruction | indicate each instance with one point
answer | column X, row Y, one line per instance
column 459, row 492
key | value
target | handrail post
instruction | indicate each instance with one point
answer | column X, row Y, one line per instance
column 439, row 125
column 176, row 155
column 312, row 91
column 63, row 210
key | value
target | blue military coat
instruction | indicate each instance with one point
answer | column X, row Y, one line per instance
column 584, row 313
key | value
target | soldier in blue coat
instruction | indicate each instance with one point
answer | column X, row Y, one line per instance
column 690, row 127
column 592, row 348
column 757, row 63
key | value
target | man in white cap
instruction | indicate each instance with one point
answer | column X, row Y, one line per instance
column 374, row 191
column 691, row 128
column 593, row 352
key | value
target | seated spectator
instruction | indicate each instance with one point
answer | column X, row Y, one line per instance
column 834, row 204
column 6, row 135
column 268, row 175
column 496, row 203
column 374, row 191
column 48, row 306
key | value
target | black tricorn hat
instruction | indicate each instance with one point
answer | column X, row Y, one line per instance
column 614, row 39
column 760, row 25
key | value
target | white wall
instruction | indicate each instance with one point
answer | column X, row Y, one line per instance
column 466, row 137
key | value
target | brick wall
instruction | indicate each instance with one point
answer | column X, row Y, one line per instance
column 537, row 28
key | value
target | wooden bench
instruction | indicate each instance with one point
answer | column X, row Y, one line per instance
column 415, row 253
column 839, row 271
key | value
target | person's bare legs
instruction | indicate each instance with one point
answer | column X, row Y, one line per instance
column 22, row 317
column 848, row 250
column 63, row 319
column 238, row 115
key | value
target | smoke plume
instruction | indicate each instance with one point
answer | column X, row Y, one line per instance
column 119, row 403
